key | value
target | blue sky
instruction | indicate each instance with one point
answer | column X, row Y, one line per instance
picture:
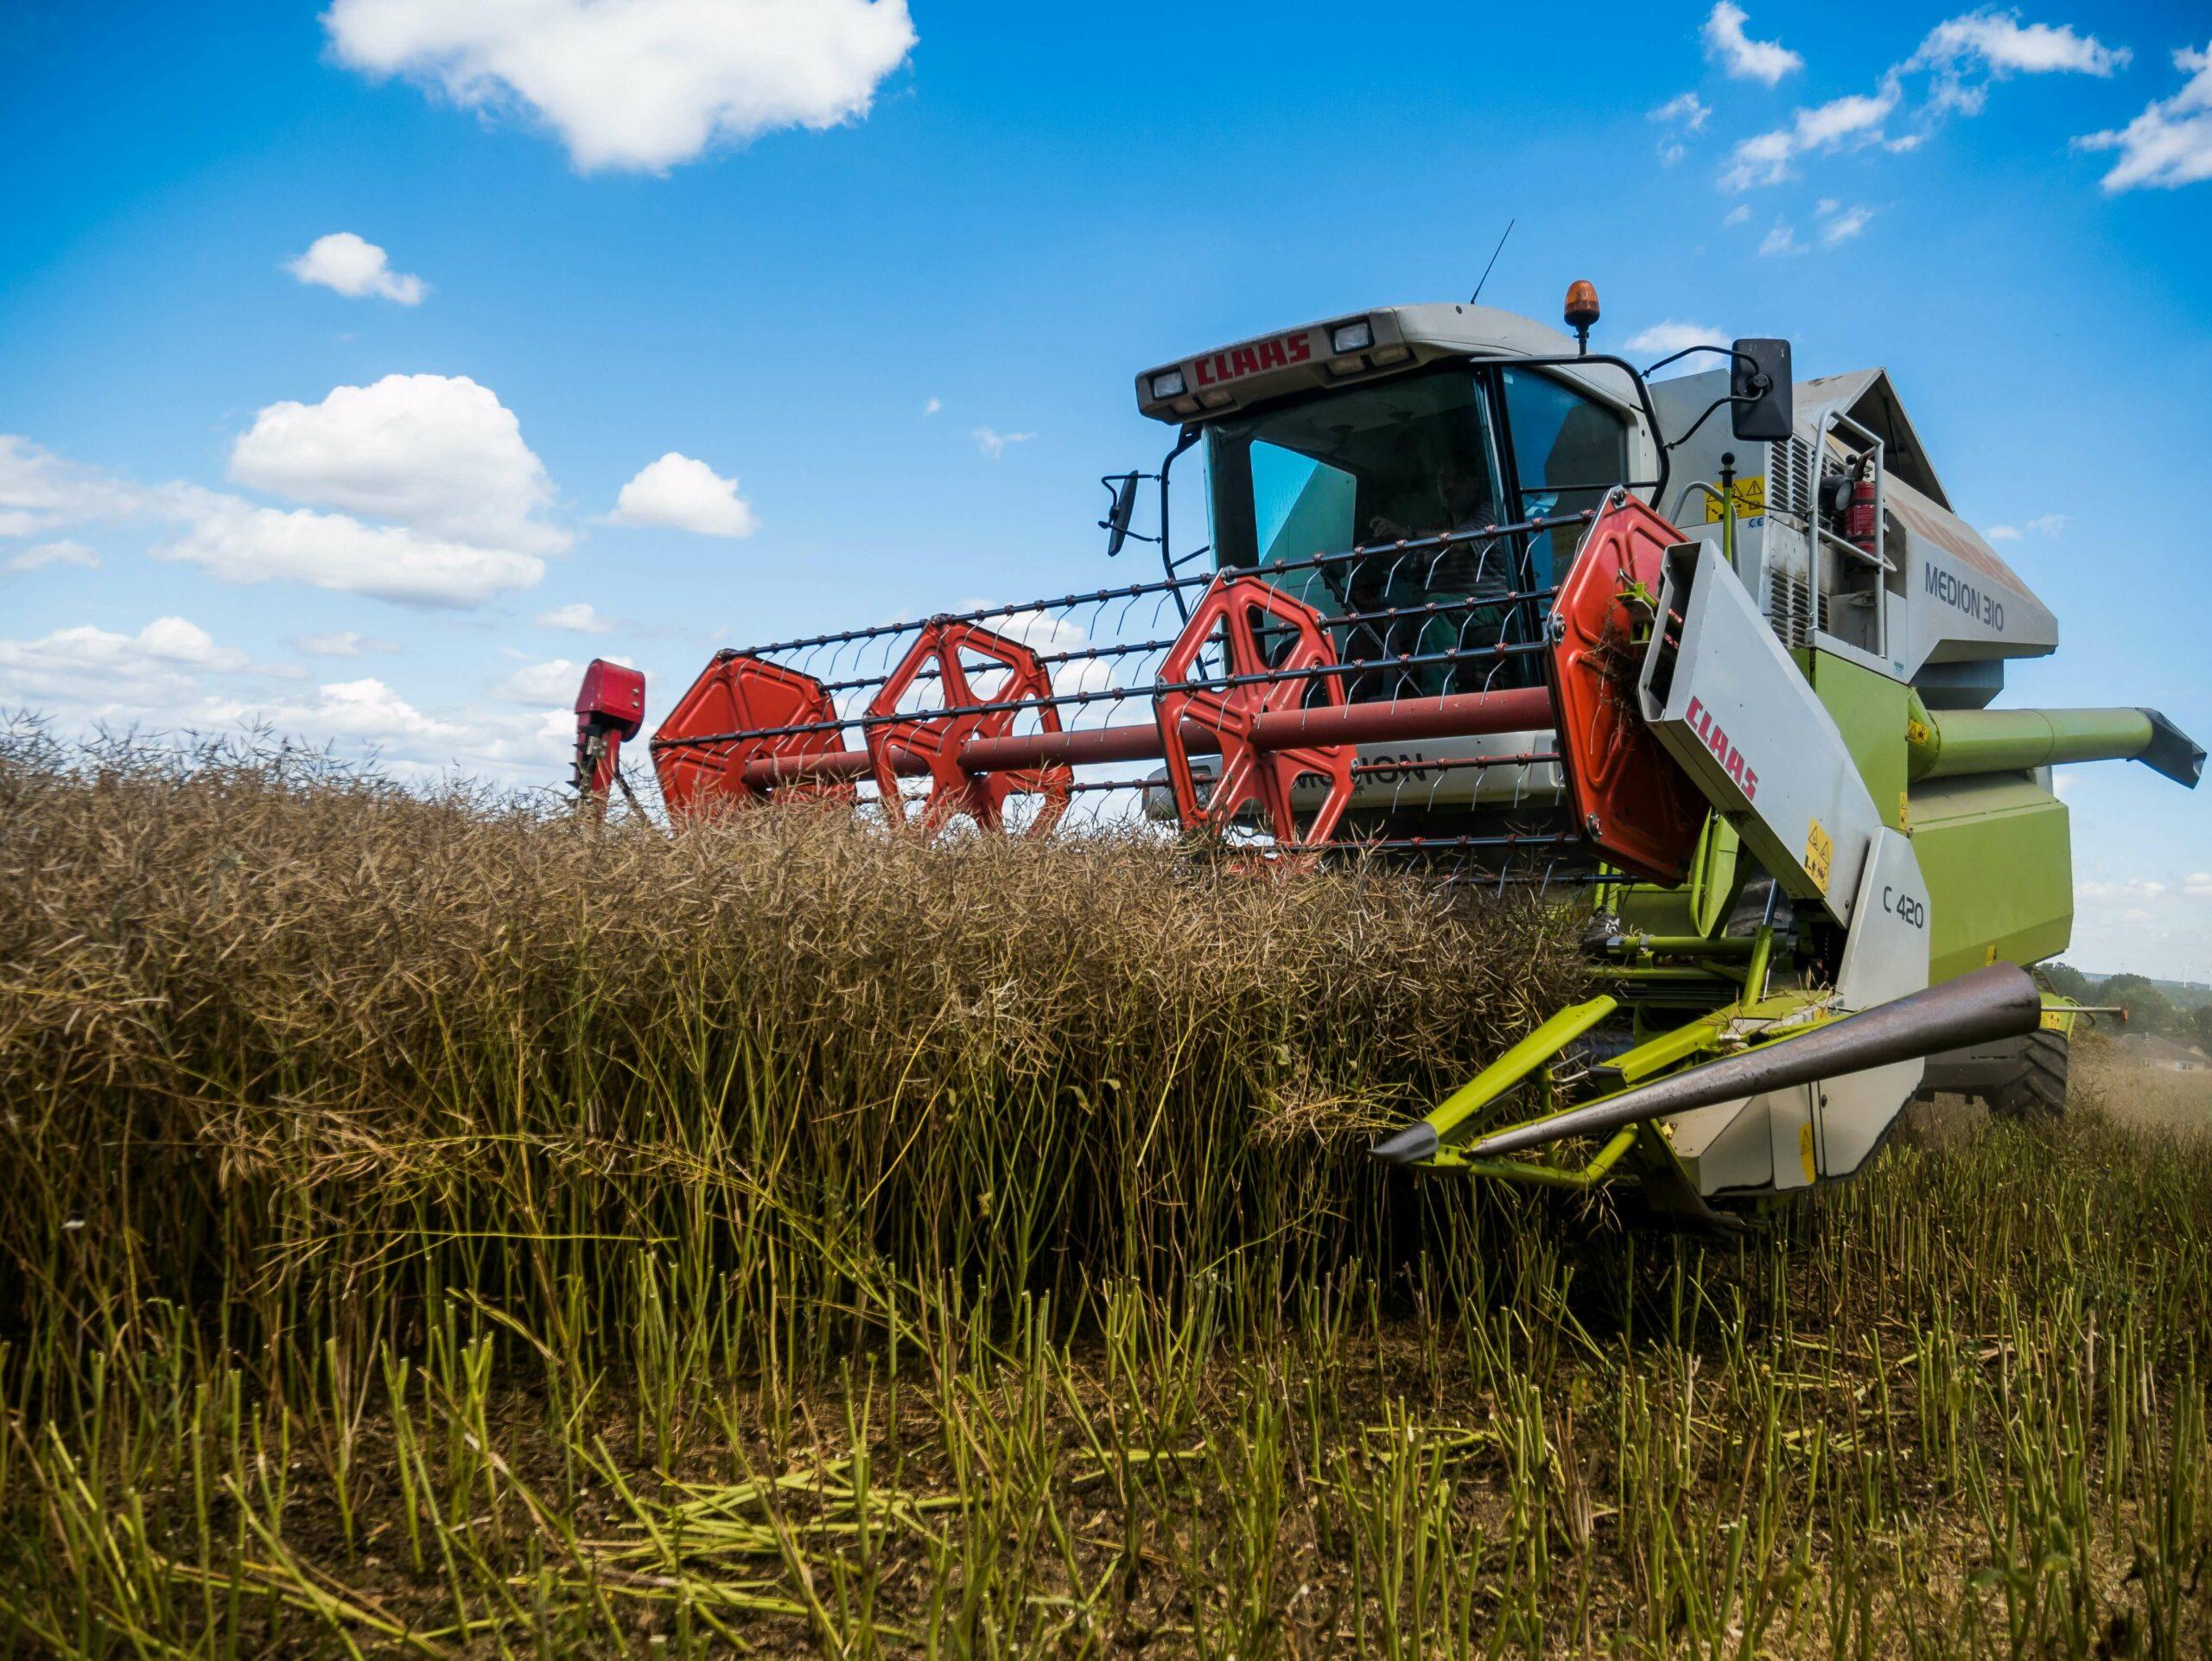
column 878, row 280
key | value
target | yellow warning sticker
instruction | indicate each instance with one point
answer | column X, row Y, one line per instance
column 1916, row 731
column 1989, row 957
column 2057, row 1021
column 1819, row 850
column 1750, row 500
column 1904, row 812
column 1805, row 1151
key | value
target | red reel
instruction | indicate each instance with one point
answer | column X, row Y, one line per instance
column 1632, row 800
column 938, row 738
column 753, row 701
column 1234, row 612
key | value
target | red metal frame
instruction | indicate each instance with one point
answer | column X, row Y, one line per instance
column 1458, row 714
column 735, row 693
column 730, row 738
column 1638, row 808
column 1232, row 610
column 938, row 740
column 610, row 707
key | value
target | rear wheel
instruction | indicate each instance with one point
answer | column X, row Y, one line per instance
column 2040, row 1090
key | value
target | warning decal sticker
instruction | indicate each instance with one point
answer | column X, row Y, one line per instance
column 1750, row 495
column 1819, row 850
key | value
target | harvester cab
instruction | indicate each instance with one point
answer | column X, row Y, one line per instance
column 1477, row 599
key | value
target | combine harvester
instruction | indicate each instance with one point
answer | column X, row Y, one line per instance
column 1481, row 600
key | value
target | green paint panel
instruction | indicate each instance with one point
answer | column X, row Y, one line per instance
column 1998, row 859
column 1869, row 709
column 2003, row 740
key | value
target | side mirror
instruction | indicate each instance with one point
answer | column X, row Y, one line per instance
column 1122, row 488
column 1761, row 397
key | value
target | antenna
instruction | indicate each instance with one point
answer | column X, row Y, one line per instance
column 1494, row 253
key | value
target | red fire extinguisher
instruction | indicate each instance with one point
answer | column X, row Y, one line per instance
column 1859, row 519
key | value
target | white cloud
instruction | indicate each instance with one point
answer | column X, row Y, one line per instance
column 552, row 682
column 2043, row 525
column 1663, row 339
column 93, row 674
column 301, row 451
column 2133, row 888
column 1996, row 44
column 64, row 553
column 1685, row 107
column 638, row 84
column 172, row 677
column 577, row 615
column 1739, row 214
column 932, row 406
column 42, row 491
column 1050, row 635
column 1764, row 158
column 2169, row 144
column 174, row 640
column 438, row 452
column 2062, row 782
column 1840, row 224
column 2005, row 45
column 994, row 445
column 369, row 717
column 2001, row 46
column 682, row 494
column 2150, row 924
column 340, row 643
column 366, row 710
column 1781, row 239
column 1743, row 57
column 237, row 542
column 1670, row 152
column 355, row 269
column 1849, row 117
column 551, row 685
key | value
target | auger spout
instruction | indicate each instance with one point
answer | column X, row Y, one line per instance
column 1960, row 742
column 1996, row 1003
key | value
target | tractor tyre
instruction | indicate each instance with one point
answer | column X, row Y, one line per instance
column 2040, row 1092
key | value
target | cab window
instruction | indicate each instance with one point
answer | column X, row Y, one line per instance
column 1567, row 451
column 1392, row 461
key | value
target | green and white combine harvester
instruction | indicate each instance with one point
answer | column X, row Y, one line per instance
column 1480, row 599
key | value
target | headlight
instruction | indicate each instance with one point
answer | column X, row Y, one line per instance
column 1167, row 385
column 1352, row 337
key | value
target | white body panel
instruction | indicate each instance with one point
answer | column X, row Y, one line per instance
column 1412, row 776
column 1726, row 1147
column 1745, row 723
column 1886, row 957
column 1960, row 602
column 1950, row 599
column 1793, row 1138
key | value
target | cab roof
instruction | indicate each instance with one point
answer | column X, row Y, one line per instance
column 1220, row 381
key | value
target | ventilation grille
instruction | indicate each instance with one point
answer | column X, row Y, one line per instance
column 1792, row 608
column 1789, row 479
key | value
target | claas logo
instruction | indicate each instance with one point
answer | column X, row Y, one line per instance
column 1242, row 360
column 1710, row 732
